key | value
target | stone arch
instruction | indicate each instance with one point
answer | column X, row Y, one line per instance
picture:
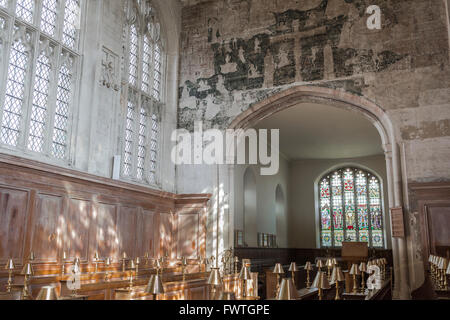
column 376, row 115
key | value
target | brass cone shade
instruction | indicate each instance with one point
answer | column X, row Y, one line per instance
column 293, row 267
column 363, row 267
column 138, row 261
column 334, row 261
column 227, row 296
column 184, row 261
column 321, row 281
column 215, row 278
column 32, row 257
column 278, row 269
column 319, row 264
column 10, row 265
column 308, row 266
column 96, row 256
column 245, row 273
column 355, row 270
column 108, row 262
column 27, row 270
column 287, row 290
column 337, row 275
column 64, row 256
column 47, row 293
column 155, row 285
column 131, row 265
column 329, row 263
column 448, row 269
column 124, row 256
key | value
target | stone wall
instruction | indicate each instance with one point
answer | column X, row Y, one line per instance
column 236, row 53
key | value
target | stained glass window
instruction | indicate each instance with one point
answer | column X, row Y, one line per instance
column 36, row 102
column 143, row 78
column 351, row 208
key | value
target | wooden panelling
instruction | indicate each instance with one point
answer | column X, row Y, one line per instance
column 127, row 226
column 106, row 234
column 78, row 223
column 13, row 218
column 187, row 247
column 49, row 210
column 432, row 201
column 47, row 229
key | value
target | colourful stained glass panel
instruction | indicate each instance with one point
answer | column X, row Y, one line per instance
column 351, row 208
column 327, row 240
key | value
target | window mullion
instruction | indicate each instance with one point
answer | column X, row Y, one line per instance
column 6, row 51
column 60, row 20
column 28, row 92
column 56, row 65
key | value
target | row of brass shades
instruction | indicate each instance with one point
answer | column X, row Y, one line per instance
column 440, row 269
column 287, row 290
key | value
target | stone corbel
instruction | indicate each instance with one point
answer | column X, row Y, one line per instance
column 21, row 34
column 109, row 77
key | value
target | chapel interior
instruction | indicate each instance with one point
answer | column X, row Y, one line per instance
column 93, row 205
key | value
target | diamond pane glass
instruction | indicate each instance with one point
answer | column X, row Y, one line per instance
column 71, row 23
column 146, row 65
column 142, row 149
column 25, row 10
column 60, row 126
column 3, row 3
column 356, row 208
column 40, row 104
column 129, row 133
column 15, row 91
column 49, row 16
column 157, row 73
column 134, row 49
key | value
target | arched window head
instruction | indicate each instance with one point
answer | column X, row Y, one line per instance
column 39, row 40
column 351, row 208
column 142, row 91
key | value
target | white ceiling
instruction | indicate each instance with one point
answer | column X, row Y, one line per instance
column 315, row 131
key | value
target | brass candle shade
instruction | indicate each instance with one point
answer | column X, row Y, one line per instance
column 124, row 259
column 244, row 276
column 329, row 265
column 336, row 277
column 308, row 268
column 319, row 265
column 107, row 266
column 334, row 261
column 27, row 271
column 155, row 286
column 293, row 268
column 278, row 270
column 31, row 257
column 354, row 271
column 236, row 262
column 132, row 268
column 321, row 282
column 138, row 263
column 96, row 261
column 214, row 280
column 287, row 290
column 10, row 268
column 363, row 269
column 47, row 293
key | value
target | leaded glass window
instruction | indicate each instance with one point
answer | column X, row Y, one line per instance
column 39, row 45
column 351, row 208
column 142, row 87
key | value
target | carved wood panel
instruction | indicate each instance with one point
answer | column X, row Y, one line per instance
column 47, row 229
column 187, row 225
column 106, row 234
column 127, row 226
column 13, row 215
column 78, row 223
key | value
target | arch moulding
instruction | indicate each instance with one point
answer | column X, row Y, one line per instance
column 313, row 94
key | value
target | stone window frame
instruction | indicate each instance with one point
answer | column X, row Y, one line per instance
column 40, row 41
column 140, row 14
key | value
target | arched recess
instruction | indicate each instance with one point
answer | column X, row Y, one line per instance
column 250, row 209
column 281, row 223
column 376, row 115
